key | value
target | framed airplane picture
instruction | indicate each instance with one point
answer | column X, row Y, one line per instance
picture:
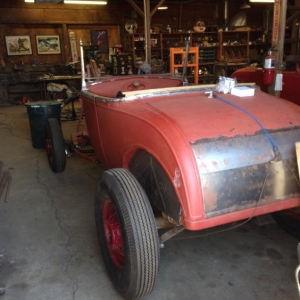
column 48, row 44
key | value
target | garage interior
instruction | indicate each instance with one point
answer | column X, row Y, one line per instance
column 49, row 247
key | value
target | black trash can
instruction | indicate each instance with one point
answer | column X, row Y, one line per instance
column 38, row 113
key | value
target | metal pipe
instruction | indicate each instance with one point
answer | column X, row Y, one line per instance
column 225, row 12
column 83, row 83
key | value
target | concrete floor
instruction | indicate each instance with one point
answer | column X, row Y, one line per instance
column 49, row 248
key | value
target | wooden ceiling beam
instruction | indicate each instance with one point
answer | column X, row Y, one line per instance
column 136, row 7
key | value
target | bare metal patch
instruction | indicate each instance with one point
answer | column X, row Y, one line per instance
column 176, row 180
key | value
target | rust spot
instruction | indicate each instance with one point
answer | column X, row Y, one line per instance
column 210, row 197
column 215, row 164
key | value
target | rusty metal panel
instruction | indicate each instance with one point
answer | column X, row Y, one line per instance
column 236, row 173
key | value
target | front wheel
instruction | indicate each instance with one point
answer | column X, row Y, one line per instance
column 127, row 233
column 55, row 146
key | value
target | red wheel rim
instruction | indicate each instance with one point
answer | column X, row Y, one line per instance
column 113, row 234
column 48, row 147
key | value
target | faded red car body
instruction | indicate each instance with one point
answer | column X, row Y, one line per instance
column 209, row 161
column 290, row 84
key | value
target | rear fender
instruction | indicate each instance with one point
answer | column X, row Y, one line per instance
column 157, row 184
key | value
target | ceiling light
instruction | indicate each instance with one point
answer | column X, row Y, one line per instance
column 262, row 1
column 163, row 7
column 85, row 2
column 44, row 1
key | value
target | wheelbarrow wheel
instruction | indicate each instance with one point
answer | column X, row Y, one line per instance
column 289, row 220
column 55, row 146
column 127, row 233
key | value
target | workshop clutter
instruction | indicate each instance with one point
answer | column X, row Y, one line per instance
column 55, row 90
column 157, row 66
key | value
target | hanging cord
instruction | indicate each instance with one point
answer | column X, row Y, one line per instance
column 277, row 154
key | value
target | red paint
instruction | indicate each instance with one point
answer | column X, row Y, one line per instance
column 166, row 125
column 290, row 84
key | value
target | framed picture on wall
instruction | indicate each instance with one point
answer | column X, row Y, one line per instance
column 18, row 44
column 48, row 44
column 99, row 38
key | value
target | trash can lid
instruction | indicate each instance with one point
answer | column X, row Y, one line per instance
column 42, row 103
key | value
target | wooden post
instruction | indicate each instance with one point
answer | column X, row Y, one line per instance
column 278, row 35
column 147, row 19
column 66, row 54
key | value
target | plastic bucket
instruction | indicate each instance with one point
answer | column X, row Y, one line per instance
column 38, row 113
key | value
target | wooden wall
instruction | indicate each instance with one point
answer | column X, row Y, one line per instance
column 19, row 18
column 81, row 31
column 22, row 18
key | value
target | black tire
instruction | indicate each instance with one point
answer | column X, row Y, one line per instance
column 127, row 233
column 289, row 220
column 55, row 146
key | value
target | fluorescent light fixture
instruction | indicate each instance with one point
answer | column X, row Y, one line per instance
column 29, row 1
column 85, row 2
column 163, row 7
column 262, row 1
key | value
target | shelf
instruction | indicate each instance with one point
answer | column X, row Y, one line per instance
column 238, row 52
column 207, row 63
column 177, row 58
column 233, row 45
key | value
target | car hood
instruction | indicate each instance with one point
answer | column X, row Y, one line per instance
column 201, row 117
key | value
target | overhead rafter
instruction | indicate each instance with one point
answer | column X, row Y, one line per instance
column 146, row 15
column 136, row 7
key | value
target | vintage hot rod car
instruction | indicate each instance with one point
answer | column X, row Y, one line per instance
column 193, row 156
column 291, row 81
